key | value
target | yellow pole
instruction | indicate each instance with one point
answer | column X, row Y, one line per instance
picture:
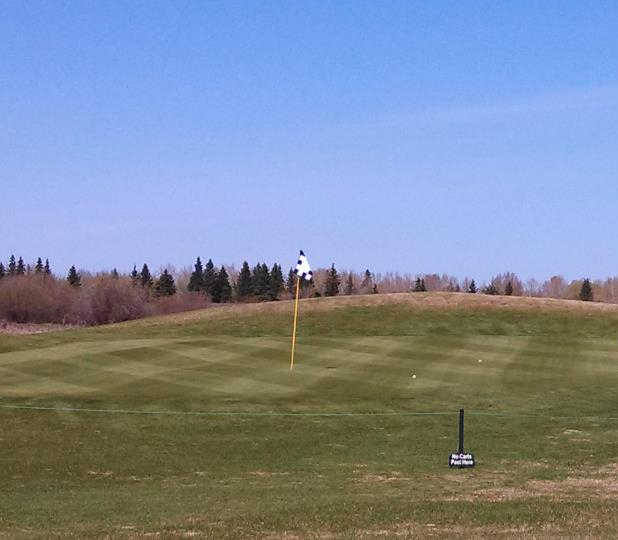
column 295, row 319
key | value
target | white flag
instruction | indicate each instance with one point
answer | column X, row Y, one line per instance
column 303, row 270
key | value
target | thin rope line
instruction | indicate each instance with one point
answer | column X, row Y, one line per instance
column 301, row 413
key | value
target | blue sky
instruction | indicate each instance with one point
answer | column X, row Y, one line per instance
column 470, row 138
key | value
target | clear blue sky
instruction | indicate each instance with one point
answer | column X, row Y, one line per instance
column 461, row 137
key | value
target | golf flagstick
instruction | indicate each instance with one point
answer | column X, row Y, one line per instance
column 302, row 271
column 295, row 319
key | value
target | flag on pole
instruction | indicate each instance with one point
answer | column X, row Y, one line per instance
column 303, row 270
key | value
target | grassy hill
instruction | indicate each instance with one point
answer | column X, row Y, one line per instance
column 193, row 424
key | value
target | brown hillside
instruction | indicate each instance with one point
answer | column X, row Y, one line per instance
column 420, row 301
column 427, row 300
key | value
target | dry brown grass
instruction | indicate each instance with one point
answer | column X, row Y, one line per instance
column 593, row 484
column 600, row 484
column 30, row 328
column 415, row 301
column 418, row 301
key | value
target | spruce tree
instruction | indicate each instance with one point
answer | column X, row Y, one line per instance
column 585, row 293
column 145, row 278
column 266, row 274
column 366, row 283
column 73, row 277
column 210, row 274
column 196, row 281
column 38, row 267
column 165, row 285
column 2, row 271
column 275, row 282
column 290, row 283
column 332, row 282
column 418, row 285
column 472, row 288
column 134, row 275
column 47, row 268
column 221, row 288
column 244, row 285
column 12, row 265
column 490, row 289
column 115, row 274
column 21, row 268
column 508, row 290
column 260, row 281
column 349, row 286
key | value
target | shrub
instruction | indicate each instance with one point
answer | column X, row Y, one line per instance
column 36, row 298
column 108, row 300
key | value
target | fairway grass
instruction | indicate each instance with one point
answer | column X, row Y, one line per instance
column 194, row 425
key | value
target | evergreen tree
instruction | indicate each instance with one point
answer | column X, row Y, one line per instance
column 2, row 271
column 349, row 286
column 115, row 274
column 165, row 285
column 508, row 290
column 145, row 278
column 73, row 277
column 260, row 281
column 134, row 275
column 419, row 285
column 47, row 269
column 472, row 288
column 12, row 265
column 221, row 288
column 21, row 268
column 490, row 289
column 276, row 282
column 585, row 293
column 210, row 274
column 244, row 284
column 266, row 274
column 290, row 284
column 38, row 267
column 332, row 282
column 196, row 281
column 366, row 283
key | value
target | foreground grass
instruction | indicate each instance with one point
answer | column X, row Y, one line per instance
column 539, row 388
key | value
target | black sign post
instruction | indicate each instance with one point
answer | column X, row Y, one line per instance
column 461, row 459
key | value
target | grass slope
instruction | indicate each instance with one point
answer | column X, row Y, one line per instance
column 538, row 381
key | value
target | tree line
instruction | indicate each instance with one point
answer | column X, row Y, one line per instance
column 18, row 268
column 225, row 284
column 33, row 293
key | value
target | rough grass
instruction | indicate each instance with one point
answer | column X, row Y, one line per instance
column 538, row 383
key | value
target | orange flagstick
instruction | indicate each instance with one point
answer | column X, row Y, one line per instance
column 295, row 319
